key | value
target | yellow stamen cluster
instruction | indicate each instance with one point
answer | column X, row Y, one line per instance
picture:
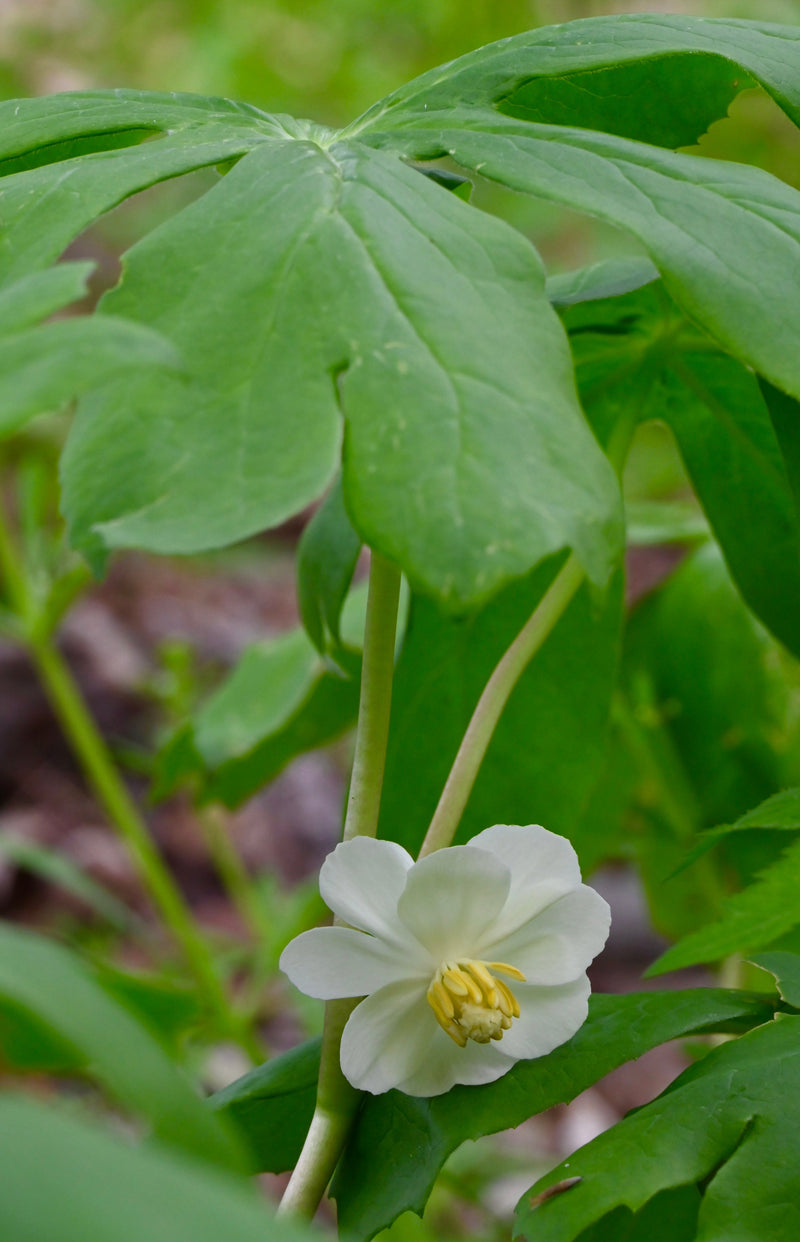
column 470, row 1003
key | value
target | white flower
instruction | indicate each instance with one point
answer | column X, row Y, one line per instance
column 471, row 959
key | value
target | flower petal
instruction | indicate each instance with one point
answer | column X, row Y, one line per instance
column 387, row 1037
column 330, row 962
column 392, row 1040
column 446, row 1065
column 362, row 880
column 557, row 945
column 548, row 1018
column 451, row 898
column 543, row 868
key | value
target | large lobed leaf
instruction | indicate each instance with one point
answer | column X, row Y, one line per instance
column 399, row 1143
column 724, row 1126
column 464, row 457
column 309, row 284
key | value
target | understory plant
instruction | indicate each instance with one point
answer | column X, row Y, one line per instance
column 334, row 322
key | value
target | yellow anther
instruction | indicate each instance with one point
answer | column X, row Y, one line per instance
column 460, row 983
column 506, row 1000
column 453, row 980
column 443, row 999
column 485, row 981
column 505, row 969
column 455, row 1032
column 470, row 1003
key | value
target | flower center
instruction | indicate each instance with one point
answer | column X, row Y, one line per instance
column 470, row 1003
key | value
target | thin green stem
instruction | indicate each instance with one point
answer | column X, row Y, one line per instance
column 93, row 754
column 101, row 772
column 491, row 703
column 369, row 760
column 16, row 583
column 233, row 873
column 337, row 1101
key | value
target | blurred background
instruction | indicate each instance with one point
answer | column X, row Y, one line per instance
column 149, row 642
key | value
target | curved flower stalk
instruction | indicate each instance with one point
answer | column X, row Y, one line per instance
column 469, row 960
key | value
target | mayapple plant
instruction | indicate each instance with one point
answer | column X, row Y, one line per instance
column 334, row 321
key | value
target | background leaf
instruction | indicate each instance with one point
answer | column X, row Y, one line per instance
column 762, row 912
column 326, row 559
column 280, row 700
column 131, row 1194
column 638, row 358
column 273, row 1106
column 57, row 869
column 48, row 982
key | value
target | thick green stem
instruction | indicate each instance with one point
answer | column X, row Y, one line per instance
column 491, row 703
column 95, row 759
column 369, row 760
column 337, row 1101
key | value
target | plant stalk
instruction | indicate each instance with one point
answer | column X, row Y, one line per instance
column 337, row 1101
column 497, row 691
column 372, row 731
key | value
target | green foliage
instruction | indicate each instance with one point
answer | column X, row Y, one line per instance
column 43, row 367
column 273, row 1106
column 638, row 358
column 326, row 559
column 515, row 71
column 546, row 751
column 743, row 1123
column 400, row 1143
column 786, row 969
column 685, row 649
column 438, row 300
column 281, row 699
column 765, row 910
column 101, row 1188
column 328, row 320
column 44, row 984
column 59, row 870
